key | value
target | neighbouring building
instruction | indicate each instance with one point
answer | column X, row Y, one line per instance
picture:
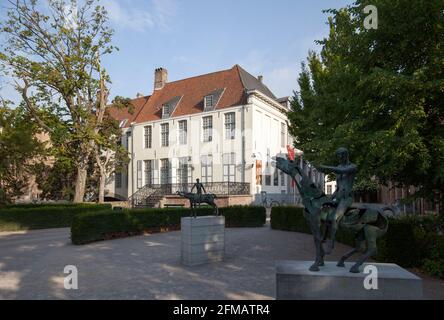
column 223, row 128
column 390, row 194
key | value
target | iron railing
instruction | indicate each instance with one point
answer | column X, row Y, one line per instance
column 150, row 193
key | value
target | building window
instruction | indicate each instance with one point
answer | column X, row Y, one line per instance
column 139, row 174
column 183, row 132
column 207, row 126
column 282, row 178
column 166, row 110
column 165, row 171
column 118, row 180
column 329, row 189
column 209, row 100
column 127, row 139
column 148, row 137
column 268, row 180
column 165, row 134
column 230, row 125
column 275, row 178
column 283, row 135
column 184, row 171
column 206, row 168
column 123, row 123
column 229, row 167
column 148, row 164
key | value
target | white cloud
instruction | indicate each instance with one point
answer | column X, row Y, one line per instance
column 140, row 16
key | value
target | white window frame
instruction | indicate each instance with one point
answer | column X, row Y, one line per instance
column 207, row 130
column 183, row 132
column 283, row 135
column 139, row 174
column 229, row 167
column 206, row 168
column 148, row 137
column 208, row 98
column 165, row 135
column 230, row 127
column 123, row 123
column 148, row 164
column 163, row 169
column 166, row 107
column 183, row 169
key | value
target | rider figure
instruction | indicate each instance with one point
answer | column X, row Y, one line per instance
column 342, row 198
column 199, row 187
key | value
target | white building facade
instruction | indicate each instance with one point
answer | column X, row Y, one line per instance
column 222, row 128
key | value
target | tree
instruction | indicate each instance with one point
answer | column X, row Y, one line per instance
column 378, row 92
column 53, row 52
column 20, row 151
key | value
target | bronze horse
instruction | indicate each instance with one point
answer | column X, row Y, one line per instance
column 368, row 222
column 196, row 199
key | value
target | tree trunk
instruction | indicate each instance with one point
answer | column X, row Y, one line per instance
column 102, row 187
column 80, row 184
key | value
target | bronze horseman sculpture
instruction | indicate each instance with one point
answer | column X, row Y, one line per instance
column 199, row 197
column 324, row 213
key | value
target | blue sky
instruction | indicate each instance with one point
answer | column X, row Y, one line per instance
column 192, row 37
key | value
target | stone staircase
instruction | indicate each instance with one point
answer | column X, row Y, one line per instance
column 147, row 197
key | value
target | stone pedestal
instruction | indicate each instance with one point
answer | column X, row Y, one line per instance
column 203, row 239
column 295, row 282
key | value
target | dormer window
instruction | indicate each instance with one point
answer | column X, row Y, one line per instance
column 123, row 123
column 166, row 110
column 169, row 106
column 209, row 102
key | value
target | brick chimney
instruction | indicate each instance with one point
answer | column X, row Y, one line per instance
column 160, row 78
column 260, row 78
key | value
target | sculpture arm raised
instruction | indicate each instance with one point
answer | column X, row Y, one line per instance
column 338, row 170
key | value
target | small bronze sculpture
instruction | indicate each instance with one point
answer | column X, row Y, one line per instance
column 342, row 198
column 324, row 213
column 198, row 198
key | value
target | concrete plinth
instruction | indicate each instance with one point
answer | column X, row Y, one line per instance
column 203, row 239
column 295, row 282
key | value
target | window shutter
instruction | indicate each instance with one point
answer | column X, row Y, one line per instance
column 156, row 171
column 139, row 174
column 173, row 172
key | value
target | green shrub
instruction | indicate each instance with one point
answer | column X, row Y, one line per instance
column 434, row 263
column 96, row 226
column 403, row 244
column 289, row 219
column 244, row 216
column 26, row 217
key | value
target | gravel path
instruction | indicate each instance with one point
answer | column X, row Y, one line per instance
column 148, row 267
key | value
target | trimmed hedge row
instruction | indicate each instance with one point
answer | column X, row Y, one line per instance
column 409, row 242
column 45, row 204
column 95, row 226
column 27, row 217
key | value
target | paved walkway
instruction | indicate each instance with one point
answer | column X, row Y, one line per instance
column 148, row 267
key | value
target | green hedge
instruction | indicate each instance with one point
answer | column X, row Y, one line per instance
column 27, row 217
column 409, row 242
column 96, row 226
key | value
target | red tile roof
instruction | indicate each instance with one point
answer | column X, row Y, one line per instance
column 192, row 90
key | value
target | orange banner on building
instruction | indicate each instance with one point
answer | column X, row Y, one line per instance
column 258, row 172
